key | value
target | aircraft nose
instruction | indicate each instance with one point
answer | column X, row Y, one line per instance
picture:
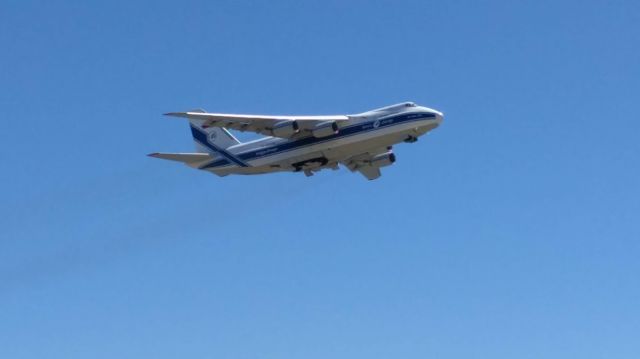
column 439, row 117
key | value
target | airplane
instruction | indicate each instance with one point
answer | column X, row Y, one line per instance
column 307, row 144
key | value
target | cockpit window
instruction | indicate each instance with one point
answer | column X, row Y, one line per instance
column 395, row 107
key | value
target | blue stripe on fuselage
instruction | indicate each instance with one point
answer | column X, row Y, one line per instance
column 202, row 137
column 308, row 141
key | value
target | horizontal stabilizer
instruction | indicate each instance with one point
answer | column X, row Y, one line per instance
column 190, row 159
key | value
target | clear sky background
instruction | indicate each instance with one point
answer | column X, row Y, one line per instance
column 512, row 231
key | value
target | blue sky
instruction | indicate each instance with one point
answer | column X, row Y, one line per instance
column 510, row 231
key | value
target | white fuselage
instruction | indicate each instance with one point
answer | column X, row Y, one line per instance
column 369, row 131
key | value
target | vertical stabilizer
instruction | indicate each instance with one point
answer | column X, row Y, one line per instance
column 206, row 137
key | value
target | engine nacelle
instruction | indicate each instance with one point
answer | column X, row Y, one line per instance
column 325, row 129
column 285, row 129
column 383, row 159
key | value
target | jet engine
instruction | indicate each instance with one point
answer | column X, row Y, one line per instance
column 383, row 159
column 285, row 129
column 325, row 129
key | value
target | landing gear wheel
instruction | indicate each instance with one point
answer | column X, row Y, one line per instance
column 411, row 139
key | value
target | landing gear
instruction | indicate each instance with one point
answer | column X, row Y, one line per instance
column 308, row 167
column 309, row 164
column 411, row 139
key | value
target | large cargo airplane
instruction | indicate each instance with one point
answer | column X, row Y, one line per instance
column 361, row 142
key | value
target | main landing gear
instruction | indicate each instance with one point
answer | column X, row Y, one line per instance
column 310, row 165
column 411, row 139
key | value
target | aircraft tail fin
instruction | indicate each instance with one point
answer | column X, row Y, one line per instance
column 209, row 139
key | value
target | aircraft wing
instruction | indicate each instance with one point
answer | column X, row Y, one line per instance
column 366, row 163
column 370, row 172
column 278, row 126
